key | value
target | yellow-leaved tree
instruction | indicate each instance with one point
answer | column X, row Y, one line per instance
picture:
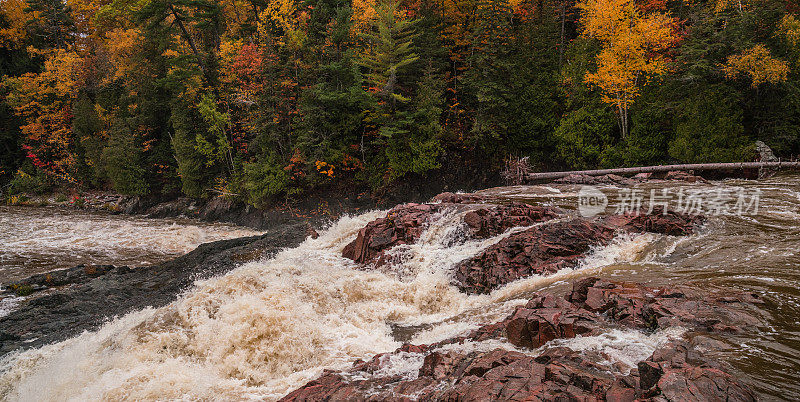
column 758, row 64
column 633, row 49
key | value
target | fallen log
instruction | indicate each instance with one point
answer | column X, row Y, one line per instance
column 664, row 168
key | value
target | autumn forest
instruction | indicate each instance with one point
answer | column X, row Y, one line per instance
column 264, row 99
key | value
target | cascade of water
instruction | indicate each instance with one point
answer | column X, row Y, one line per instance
column 270, row 326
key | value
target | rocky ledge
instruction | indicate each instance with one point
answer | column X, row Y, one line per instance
column 628, row 181
column 553, row 241
column 528, row 355
column 538, row 364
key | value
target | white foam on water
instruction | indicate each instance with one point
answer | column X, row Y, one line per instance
column 32, row 231
column 262, row 330
column 624, row 248
column 488, row 345
column 8, row 304
column 621, row 349
column 270, row 326
column 403, row 364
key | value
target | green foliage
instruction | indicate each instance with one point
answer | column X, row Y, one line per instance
column 418, row 151
column 709, row 128
column 29, row 183
column 122, row 161
column 585, row 136
column 260, row 100
column 22, row 289
column 195, row 178
column 217, row 149
column 648, row 140
column 264, row 179
column 87, row 127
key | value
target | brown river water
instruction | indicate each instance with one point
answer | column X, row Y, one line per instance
column 269, row 326
column 35, row 240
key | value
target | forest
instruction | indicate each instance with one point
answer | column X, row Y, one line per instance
column 264, row 99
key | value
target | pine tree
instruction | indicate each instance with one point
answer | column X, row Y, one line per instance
column 53, row 28
column 123, row 162
column 387, row 52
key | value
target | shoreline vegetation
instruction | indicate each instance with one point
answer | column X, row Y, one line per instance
column 268, row 103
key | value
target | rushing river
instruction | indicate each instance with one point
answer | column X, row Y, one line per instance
column 36, row 240
column 269, row 326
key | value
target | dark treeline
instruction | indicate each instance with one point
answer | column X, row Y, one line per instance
column 259, row 99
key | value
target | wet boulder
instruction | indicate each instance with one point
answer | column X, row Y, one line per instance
column 458, row 198
column 539, row 250
column 658, row 221
column 402, row 225
column 579, row 178
column 547, row 248
column 636, row 306
column 681, row 175
column 546, row 318
column 492, row 221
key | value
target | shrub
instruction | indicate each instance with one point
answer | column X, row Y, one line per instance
column 709, row 129
column 25, row 183
column 22, row 289
column 263, row 180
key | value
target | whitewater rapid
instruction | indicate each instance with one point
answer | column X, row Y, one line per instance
column 36, row 240
column 272, row 325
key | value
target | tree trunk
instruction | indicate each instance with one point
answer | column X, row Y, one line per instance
column 663, row 168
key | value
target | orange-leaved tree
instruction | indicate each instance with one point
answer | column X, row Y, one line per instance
column 758, row 64
column 44, row 102
column 633, row 48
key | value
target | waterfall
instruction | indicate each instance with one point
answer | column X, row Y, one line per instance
column 272, row 325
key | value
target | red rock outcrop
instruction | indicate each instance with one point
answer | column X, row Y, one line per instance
column 684, row 176
column 547, row 248
column 458, row 198
column 539, row 250
column 595, row 304
column 675, row 371
column 669, row 223
column 488, row 222
column 675, row 175
column 402, row 225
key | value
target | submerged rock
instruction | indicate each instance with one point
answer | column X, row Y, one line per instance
column 658, row 221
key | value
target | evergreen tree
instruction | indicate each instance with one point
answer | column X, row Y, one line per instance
column 387, row 52
column 122, row 159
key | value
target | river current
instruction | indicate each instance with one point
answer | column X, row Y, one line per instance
column 35, row 240
column 271, row 325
